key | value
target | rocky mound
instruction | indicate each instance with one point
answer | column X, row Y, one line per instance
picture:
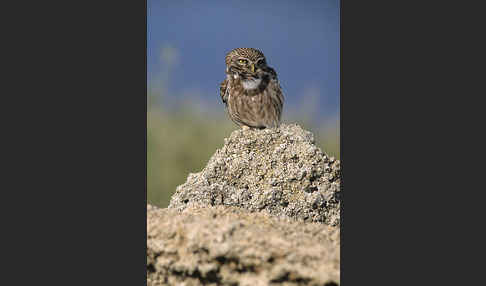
column 232, row 246
column 280, row 171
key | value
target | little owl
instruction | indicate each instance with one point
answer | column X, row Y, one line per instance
column 251, row 90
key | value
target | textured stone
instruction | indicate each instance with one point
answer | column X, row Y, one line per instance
column 280, row 171
column 226, row 245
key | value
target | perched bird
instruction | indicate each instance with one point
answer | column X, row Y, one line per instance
column 251, row 90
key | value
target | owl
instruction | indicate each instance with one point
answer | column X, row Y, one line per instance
column 251, row 90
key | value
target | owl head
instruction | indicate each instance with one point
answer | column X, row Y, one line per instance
column 246, row 62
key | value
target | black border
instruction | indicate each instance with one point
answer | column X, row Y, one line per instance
column 404, row 119
column 79, row 122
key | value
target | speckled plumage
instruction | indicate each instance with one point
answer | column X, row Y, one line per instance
column 251, row 90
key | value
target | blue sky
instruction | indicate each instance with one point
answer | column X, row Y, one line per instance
column 299, row 38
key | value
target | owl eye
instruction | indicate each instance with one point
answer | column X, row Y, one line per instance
column 242, row 61
column 261, row 62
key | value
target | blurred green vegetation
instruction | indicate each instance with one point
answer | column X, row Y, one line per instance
column 180, row 142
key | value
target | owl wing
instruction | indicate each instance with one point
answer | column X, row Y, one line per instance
column 279, row 97
column 223, row 91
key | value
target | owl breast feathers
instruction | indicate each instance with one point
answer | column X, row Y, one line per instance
column 251, row 90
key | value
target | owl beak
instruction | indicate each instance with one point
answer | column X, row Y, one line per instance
column 252, row 67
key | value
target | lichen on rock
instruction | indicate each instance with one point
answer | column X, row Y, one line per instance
column 280, row 171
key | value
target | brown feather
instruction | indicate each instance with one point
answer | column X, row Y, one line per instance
column 222, row 90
